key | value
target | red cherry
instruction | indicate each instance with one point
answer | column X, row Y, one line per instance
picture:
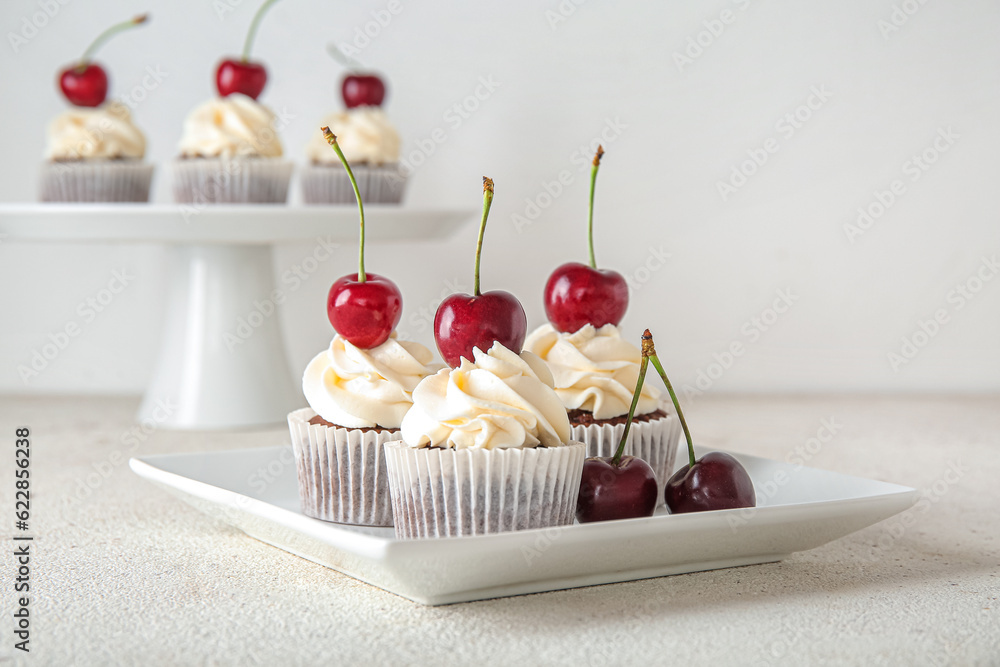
column 463, row 322
column 85, row 83
column 237, row 76
column 716, row 481
column 85, row 86
column 364, row 313
column 609, row 491
column 362, row 90
column 576, row 294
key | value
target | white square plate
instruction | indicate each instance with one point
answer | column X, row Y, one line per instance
column 799, row 508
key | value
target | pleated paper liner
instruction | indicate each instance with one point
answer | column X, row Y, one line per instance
column 341, row 472
column 329, row 184
column 96, row 180
column 231, row 180
column 443, row 492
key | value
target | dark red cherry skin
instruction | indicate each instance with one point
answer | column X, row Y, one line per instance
column 463, row 322
column 87, row 87
column 576, row 294
column 362, row 90
column 364, row 313
column 236, row 76
column 608, row 492
column 716, row 481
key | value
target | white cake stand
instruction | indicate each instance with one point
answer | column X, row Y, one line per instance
column 221, row 270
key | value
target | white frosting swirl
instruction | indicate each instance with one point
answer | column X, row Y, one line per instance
column 364, row 134
column 357, row 388
column 594, row 369
column 230, row 126
column 106, row 132
column 501, row 400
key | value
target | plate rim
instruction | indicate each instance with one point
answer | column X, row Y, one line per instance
column 376, row 546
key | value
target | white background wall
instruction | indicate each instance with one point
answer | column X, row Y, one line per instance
column 683, row 128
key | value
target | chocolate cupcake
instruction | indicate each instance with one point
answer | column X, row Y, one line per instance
column 95, row 155
column 486, row 448
column 595, row 372
column 371, row 144
column 357, row 402
column 230, row 153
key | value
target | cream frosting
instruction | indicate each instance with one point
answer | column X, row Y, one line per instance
column 105, row 132
column 357, row 388
column 364, row 134
column 501, row 400
column 594, row 369
column 230, row 126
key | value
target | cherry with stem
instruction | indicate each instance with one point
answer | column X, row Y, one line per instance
column 359, row 88
column 618, row 487
column 85, row 83
column 716, row 481
column 577, row 294
column 364, row 307
column 464, row 322
column 243, row 75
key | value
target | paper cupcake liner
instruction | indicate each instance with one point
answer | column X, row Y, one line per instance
column 95, row 181
column 341, row 472
column 329, row 184
column 655, row 442
column 447, row 492
column 231, row 180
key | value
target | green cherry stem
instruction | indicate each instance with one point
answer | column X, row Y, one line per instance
column 252, row 33
column 650, row 352
column 331, row 139
column 617, row 459
column 342, row 57
column 108, row 34
column 590, row 214
column 487, row 202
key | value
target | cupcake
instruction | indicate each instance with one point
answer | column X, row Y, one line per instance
column 485, row 448
column 370, row 143
column 357, row 399
column 94, row 150
column 230, row 153
column 595, row 372
column 95, row 155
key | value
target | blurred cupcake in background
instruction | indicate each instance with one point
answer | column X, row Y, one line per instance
column 95, row 155
column 369, row 141
column 230, row 153
column 94, row 151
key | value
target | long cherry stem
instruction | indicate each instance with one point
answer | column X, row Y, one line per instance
column 252, row 33
column 331, row 139
column 590, row 214
column 650, row 352
column 342, row 57
column 617, row 459
column 487, row 202
column 108, row 34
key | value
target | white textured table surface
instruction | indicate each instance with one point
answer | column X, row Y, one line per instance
column 129, row 575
